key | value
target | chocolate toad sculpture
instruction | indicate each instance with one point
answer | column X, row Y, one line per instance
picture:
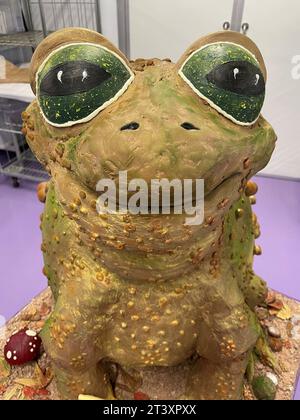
column 148, row 290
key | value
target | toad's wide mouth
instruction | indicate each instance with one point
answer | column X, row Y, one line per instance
column 223, row 183
column 171, row 200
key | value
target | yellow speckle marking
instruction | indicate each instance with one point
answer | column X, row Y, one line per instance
column 163, row 301
column 132, row 290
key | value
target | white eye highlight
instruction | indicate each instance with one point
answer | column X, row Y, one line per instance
column 84, row 75
column 235, row 72
column 257, row 79
column 59, row 75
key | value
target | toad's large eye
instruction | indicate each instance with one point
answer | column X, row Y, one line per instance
column 76, row 82
column 73, row 77
column 238, row 77
column 229, row 78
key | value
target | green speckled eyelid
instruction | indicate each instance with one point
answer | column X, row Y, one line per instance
column 82, row 104
column 239, row 105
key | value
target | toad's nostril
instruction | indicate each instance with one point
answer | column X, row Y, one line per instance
column 130, row 126
column 189, row 126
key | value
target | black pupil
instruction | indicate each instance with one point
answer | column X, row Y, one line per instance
column 240, row 77
column 73, row 77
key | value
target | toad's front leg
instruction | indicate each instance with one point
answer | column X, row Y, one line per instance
column 73, row 338
column 218, row 381
column 224, row 347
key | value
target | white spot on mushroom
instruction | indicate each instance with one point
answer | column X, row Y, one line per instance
column 34, row 346
column 30, row 343
column 9, row 355
column 59, row 76
column 31, row 333
column 15, row 351
column 35, row 338
column 15, row 358
column 31, row 350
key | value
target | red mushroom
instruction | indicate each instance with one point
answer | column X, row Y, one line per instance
column 138, row 395
column 22, row 347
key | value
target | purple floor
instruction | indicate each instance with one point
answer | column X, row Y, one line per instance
column 21, row 262
column 278, row 210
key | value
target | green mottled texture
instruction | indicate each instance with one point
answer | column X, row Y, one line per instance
column 64, row 109
column 264, row 389
column 241, row 107
column 241, row 252
column 145, row 291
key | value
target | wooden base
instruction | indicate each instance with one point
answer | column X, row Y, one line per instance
column 156, row 383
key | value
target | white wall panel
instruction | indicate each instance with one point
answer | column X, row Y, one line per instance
column 109, row 20
column 165, row 28
column 275, row 26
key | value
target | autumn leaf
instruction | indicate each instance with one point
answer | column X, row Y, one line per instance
column 271, row 297
column 273, row 312
column 5, row 369
column 285, row 313
column 129, row 382
column 28, row 393
column 42, row 392
column 13, row 393
column 288, row 344
column 31, row 393
column 28, row 382
column 265, row 354
column 45, row 378
column 138, row 395
column 40, row 380
column 3, row 389
column 82, row 397
column 45, row 310
column 289, row 329
column 250, row 369
column 110, row 397
column 276, row 305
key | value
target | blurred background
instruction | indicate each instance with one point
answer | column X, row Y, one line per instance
column 143, row 28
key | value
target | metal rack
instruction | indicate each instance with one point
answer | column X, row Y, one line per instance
column 237, row 18
column 24, row 167
column 30, row 21
column 40, row 18
column 44, row 16
column 16, row 159
column 50, row 15
column 22, row 39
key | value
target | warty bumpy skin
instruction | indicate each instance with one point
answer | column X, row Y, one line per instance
column 147, row 290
